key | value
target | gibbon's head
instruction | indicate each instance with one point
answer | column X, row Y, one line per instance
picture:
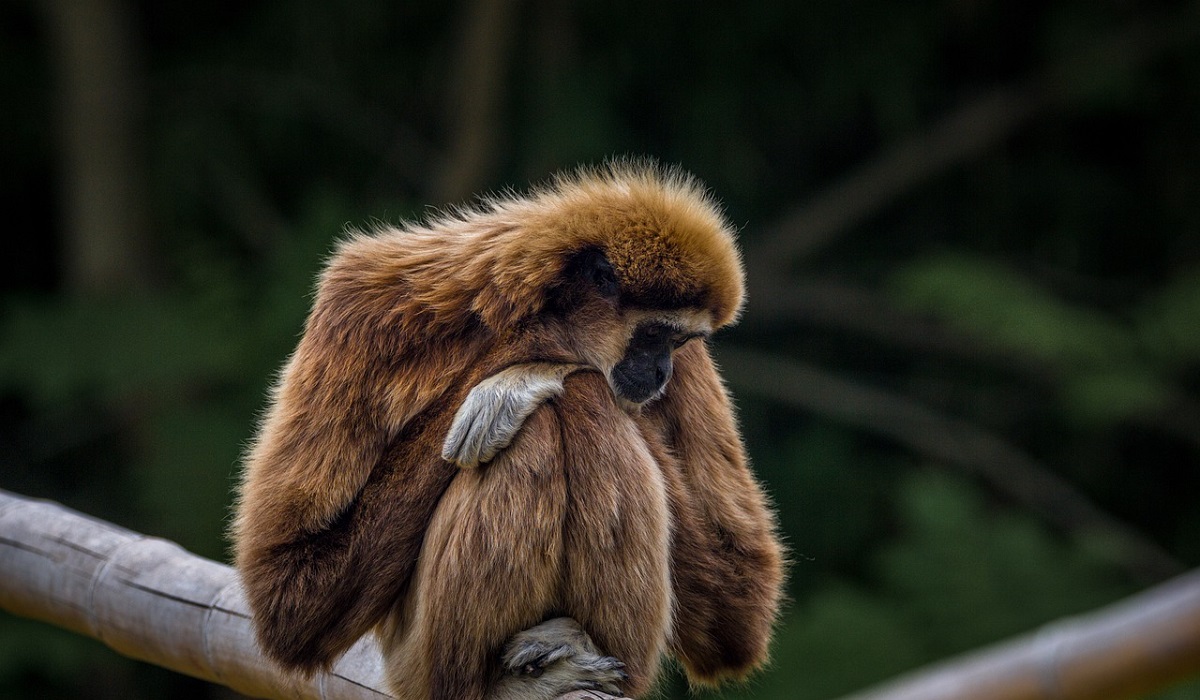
column 636, row 259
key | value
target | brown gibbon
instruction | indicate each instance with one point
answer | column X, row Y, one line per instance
column 502, row 445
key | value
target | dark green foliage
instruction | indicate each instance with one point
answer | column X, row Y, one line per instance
column 1109, row 369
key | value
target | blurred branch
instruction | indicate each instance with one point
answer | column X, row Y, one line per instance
column 956, row 443
column 842, row 305
column 1180, row 419
column 967, row 132
column 100, row 105
column 1127, row 650
column 332, row 107
column 476, row 90
column 970, row 130
column 148, row 599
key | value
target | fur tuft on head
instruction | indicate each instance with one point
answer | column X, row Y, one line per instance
column 666, row 238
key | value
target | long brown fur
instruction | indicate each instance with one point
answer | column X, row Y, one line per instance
column 646, row 527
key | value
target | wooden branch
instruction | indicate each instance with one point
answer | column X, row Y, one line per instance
column 971, row 130
column 476, row 94
column 1127, row 650
column 149, row 599
column 956, row 443
column 101, row 96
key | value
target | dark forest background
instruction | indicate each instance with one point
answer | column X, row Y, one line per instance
column 969, row 371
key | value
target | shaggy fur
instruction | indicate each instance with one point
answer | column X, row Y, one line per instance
column 645, row 525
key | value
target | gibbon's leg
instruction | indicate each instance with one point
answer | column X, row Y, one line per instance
column 617, row 534
column 727, row 559
column 490, row 564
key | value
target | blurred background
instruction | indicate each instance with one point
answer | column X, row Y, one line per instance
column 969, row 372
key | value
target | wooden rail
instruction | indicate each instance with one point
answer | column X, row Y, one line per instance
column 149, row 599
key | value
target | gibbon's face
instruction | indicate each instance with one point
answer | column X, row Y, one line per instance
column 642, row 373
column 633, row 347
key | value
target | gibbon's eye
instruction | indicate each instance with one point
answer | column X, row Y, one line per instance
column 653, row 334
column 604, row 277
column 587, row 272
column 683, row 338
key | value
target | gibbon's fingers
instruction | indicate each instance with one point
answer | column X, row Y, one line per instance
column 497, row 407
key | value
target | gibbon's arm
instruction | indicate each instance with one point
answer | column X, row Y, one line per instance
column 372, row 358
column 321, row 438
column 322, row 552
column 313, row 597
column 727, row 559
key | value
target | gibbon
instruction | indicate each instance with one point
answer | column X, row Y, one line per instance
column 502, row 445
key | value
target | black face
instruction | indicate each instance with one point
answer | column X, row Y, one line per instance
column 646, row 366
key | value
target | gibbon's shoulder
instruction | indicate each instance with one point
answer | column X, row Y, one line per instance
column 667, row 239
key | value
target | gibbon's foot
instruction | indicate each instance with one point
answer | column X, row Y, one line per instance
column 554, row 658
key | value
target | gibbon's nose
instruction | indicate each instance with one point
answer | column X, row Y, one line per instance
column 662, row 372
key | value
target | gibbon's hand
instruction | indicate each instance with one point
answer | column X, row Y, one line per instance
column 496, row 408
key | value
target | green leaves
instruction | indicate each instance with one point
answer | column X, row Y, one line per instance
column 114, row 349
column 1107, row 367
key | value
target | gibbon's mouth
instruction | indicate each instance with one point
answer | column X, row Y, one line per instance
column 631, row 407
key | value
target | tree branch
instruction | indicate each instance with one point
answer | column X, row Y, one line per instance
column 841, row 305
column 149, row 599
column 1127, row 650
column 971, row 130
